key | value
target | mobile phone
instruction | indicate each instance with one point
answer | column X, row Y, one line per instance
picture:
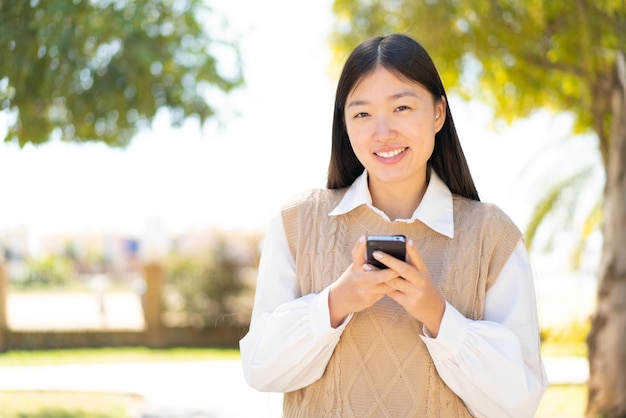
column 394, row 245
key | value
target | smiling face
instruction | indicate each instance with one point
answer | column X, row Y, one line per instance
column 391, row 123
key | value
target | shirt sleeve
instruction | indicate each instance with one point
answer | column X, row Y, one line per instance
column 290, row 339
column 494, row 364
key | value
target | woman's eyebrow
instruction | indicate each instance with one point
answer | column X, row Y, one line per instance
column 401, row 94
column 356, row 103
column 395, row 96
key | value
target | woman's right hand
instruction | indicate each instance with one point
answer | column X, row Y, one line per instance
column 359, row 287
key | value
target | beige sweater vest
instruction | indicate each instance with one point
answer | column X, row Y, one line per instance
column 381, row 367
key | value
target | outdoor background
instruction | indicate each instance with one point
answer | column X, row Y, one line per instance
column 181, row 189
column 271, row 141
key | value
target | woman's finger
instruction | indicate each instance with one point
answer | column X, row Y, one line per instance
column 414, row 257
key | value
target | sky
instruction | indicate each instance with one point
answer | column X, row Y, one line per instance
column 272, row 141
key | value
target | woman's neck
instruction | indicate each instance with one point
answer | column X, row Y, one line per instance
column 397, row 200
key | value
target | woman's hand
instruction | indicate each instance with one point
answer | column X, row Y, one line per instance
column 359, row 287
column 414, row 290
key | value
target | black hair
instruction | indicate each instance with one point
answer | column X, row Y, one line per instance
column 406, row 58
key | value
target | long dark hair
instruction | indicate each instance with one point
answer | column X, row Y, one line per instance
column 405, row 57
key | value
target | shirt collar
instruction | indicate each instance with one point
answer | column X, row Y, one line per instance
column 435, row 209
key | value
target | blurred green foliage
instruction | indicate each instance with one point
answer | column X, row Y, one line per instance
column 213, row 289
column 98, row 70
column 516, row 56
column 566, row 340
column 212, row 285
column 50, row 271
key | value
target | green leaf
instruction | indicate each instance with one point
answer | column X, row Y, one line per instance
column 100, row 70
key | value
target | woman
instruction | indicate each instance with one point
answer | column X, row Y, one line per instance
column 449, row 332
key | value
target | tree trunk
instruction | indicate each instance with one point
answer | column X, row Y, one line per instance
column 607, row 339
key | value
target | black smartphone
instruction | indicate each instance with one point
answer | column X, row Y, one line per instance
column 394, row 245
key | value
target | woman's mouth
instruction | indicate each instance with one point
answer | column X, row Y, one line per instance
column 390, row 154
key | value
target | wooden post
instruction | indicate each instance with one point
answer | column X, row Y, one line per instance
column 154, row 275
column 4, row 296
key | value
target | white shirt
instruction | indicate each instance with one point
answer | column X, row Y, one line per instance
column 494, row 364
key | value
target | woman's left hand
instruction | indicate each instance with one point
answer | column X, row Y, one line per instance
column 414, row 290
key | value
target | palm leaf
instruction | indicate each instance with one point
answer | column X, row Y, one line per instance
column 592, row 223
column 560, row 198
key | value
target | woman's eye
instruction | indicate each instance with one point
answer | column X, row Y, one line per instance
column 401, row 108
column 360, row 115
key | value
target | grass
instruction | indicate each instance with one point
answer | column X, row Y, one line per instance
column 76, row 404
column 68, row 404
column 114, row 355
column 560, row 401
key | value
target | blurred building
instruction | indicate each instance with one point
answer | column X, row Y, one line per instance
column 117, row 254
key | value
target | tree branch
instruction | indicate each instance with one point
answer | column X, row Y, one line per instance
column 555, row 66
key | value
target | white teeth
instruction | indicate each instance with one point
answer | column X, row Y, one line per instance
column 390, row 154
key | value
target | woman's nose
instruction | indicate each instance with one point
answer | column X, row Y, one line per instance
column 384, row 129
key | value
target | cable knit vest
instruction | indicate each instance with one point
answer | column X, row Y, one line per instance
column 381, row 367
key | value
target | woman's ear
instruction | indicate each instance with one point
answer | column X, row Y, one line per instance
column 440, row 113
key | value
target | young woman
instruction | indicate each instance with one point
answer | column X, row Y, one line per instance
column 452, row 330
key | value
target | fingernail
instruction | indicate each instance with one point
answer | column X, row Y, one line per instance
column 411, row 242
column 377, row 254
column 362, row 238
column 367, row 267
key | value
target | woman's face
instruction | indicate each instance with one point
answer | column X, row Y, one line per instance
column 392, row 124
